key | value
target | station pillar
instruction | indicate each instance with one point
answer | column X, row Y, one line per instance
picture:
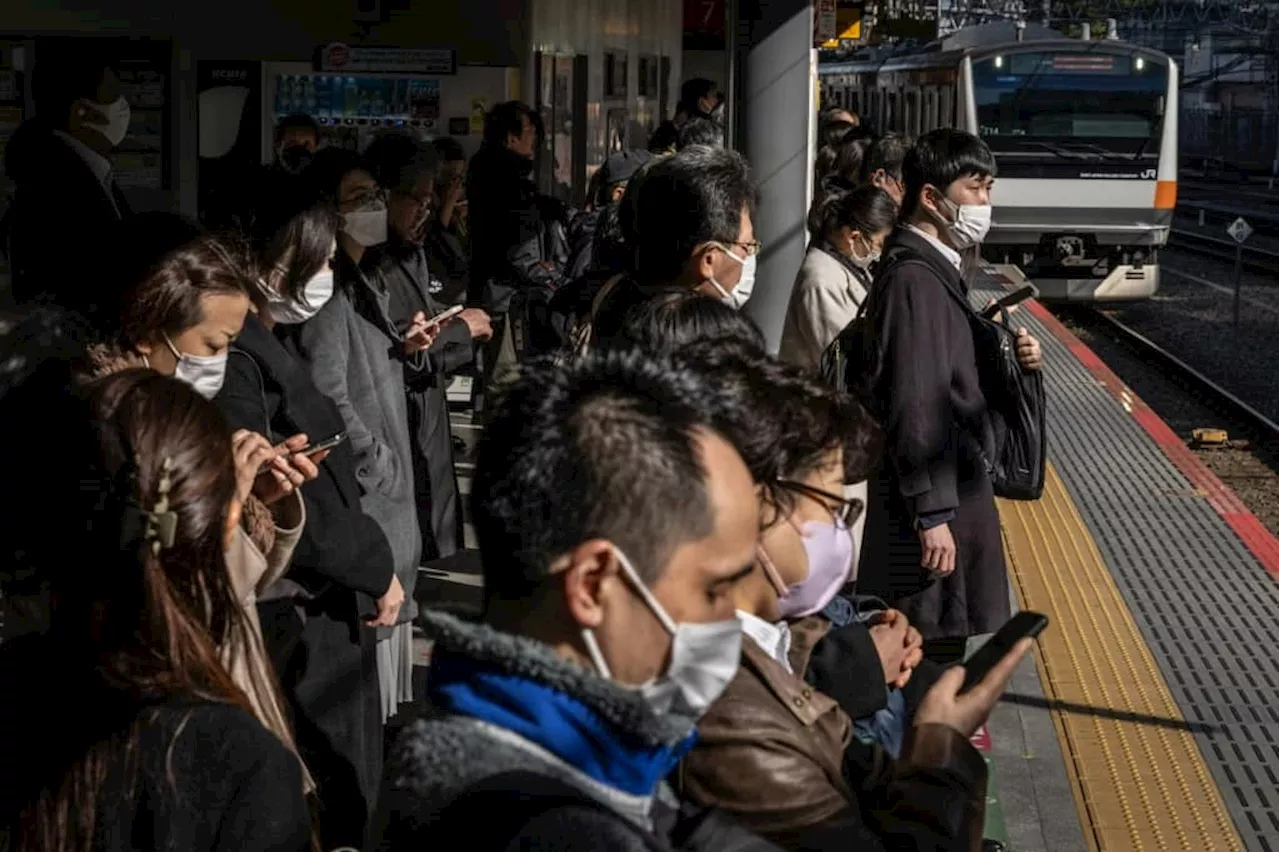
column 774, row 71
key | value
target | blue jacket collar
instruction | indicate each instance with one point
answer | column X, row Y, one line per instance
column 604, row 730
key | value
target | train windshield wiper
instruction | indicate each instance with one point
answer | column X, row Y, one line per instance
column 1065, row 153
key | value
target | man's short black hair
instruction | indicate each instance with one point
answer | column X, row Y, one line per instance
column 507, row 119
column 685, row 200
column 64, row 75
column 449, row 149
column 398, row 160
column 885, row 152
column 699, row 131
column 297, row 121
column 940, row 158
column 601, row 447
column 695, row 90
column 782, row 419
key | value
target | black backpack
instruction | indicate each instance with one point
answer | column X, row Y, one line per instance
column 1015, row 398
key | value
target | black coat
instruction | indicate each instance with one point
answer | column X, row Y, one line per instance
column 322, row 653
column 447, row 257
column 203, row 776
column 405, row 272
column 928, row 396
column 58, row 201
column 268, row 389
column 518, row 237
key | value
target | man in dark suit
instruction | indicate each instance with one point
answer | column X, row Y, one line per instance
column 933, row 546
column 59, row 232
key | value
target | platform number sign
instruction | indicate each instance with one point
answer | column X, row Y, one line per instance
column 1240, row 230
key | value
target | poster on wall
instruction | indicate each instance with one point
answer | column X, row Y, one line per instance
column 229, row 128
column 140, row 160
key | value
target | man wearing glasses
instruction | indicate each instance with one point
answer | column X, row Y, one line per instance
column 688, row 217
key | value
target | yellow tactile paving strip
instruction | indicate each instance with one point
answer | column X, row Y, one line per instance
column 1138, row 785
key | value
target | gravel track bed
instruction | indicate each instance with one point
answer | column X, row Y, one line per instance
column 1247, row 464
column 1194, row 322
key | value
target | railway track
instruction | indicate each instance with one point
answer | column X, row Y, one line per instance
column 1255, row 258
column 1207, row 390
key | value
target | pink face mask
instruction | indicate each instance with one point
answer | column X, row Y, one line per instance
column 829, row 549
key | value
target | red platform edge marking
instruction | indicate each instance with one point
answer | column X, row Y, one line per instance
column 1260, row 542
column 981, row 739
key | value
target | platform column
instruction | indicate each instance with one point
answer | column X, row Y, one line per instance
column 775, row 72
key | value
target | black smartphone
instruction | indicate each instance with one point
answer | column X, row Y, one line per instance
column 1008, row 300
column 327, row 444
column 1025, row 624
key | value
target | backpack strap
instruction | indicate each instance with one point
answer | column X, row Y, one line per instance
column 509, row 801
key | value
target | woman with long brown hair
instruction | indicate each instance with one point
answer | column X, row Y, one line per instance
column 120, row 727
column 180, row 304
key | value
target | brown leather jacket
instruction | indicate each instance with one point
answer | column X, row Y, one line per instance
column 775, row 754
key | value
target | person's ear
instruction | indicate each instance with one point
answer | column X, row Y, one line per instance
column 590, row 570
column 704, row 261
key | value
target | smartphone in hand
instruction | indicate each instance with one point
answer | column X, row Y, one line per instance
column 1023, row 625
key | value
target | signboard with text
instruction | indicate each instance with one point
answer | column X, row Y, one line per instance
column 348, row 58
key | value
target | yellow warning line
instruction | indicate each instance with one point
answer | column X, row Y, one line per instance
column 1139, row 784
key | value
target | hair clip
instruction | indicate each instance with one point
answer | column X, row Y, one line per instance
column 162, row 522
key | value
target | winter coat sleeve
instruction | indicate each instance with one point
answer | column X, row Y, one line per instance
column 326, row 341
column 338, row 541
column 525, row 255
column 846, row 666
column 916, row 384
column 453, row 349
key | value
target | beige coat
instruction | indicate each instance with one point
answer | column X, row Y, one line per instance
column 824, row 300
column 251, row 572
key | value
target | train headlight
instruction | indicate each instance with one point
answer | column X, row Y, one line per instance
column 1139, row 63
column 999, row 62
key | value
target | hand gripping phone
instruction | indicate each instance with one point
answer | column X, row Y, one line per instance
column 1023, row 625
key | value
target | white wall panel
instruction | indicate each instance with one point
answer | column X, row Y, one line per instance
column 596, row 27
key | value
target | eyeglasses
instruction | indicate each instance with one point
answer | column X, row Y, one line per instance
column 752, row 247
column 365, row 199
column 844, row 510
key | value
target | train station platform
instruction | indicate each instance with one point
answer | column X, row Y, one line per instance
column 1158, row 671
column 1147, row 719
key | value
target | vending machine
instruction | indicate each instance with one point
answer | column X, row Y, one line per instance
column 357, row 92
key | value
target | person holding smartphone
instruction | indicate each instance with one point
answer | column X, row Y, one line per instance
column 356, row 354
column 411, row 172
column 781, row 757
column 318, row 622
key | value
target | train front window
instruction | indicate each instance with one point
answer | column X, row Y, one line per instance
column 1070, row 103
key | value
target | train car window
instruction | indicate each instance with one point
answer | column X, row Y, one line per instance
column 1071, row 103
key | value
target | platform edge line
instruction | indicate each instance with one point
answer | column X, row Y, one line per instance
column 1256, row 538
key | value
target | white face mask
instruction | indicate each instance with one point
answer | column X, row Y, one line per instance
column 704, row 658
column 866, row 262
column 738, row 296
column 205, row 373
column 368, row 226
column 969, row 223
column 117, row 115
column 315, row 295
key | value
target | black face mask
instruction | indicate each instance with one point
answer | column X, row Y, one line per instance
column 295, row 158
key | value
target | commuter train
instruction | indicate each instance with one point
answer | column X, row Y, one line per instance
column 1085, row 136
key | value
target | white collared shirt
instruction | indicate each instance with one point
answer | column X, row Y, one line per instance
column 947, row 251
column 98, row 164
column 773, row 639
